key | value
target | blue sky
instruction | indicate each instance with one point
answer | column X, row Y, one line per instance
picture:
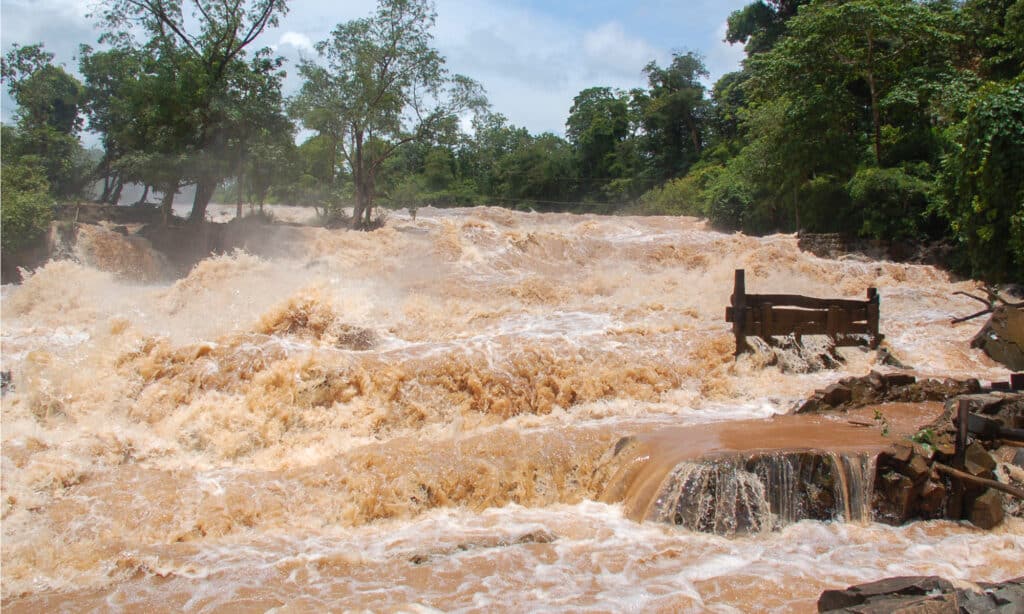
column 531, row 56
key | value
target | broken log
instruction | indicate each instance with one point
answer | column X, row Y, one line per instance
column 973, row 479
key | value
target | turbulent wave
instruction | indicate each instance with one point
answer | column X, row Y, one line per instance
column 479, row 359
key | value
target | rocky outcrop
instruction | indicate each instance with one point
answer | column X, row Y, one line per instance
column 925, row 594
column 876, row 388
column 921, row 477
column 835, row 246
column 1002, row 337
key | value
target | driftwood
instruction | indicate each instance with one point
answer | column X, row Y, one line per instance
column 846, row 321
column 973, row 479
column 990, row 302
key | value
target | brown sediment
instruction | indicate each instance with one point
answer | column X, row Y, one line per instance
column 348, row 386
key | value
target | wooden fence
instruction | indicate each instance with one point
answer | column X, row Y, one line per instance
column 847, row 322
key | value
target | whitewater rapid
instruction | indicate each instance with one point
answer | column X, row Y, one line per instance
column 423, row 417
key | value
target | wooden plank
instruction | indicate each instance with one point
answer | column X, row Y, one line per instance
column 805, row 302
column 766, row 321
column 754, row 328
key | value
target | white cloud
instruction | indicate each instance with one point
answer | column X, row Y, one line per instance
column 610, row 49
column 295, row 39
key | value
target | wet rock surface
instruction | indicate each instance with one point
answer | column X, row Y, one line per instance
column 925, row 594
column 876, row 388
column 1002, row 337
column 917, row 477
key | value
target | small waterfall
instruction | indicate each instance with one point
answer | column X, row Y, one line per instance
column 855, row 481
column 761, row 492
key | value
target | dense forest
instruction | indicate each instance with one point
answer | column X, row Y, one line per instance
column 883, row 119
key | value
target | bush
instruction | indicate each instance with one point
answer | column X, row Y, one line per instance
column 681, row 196
column 890, row 202
column 26, row 208
column 984, row 180
column 729, row 196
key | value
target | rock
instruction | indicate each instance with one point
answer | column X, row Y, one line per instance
column 1018, row 458
column 900, row 451
column 811, row 405
column 924, row 595
column 983, row 403
column 1002, row 337
column 899, row 379
column 898, row 493
column 836, row 394
column 987, row 510
column 933, row 494
column 978, row 462
column 833, row 600
column 918, row 468
column 924, row 451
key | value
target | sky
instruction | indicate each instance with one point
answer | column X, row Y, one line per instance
column 531, row 56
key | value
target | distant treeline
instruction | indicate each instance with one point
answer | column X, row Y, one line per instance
column 884, row 119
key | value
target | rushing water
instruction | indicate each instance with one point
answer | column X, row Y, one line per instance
column 426, row 416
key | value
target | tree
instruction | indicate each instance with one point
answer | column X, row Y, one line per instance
column 48, row 117
column 759, row 25
column 985, row 183
column 26, row 209
column 673, row 114
column 383, row 86
column 112, row 88
column 881, row 55
column 202, row 60
column 598, row 123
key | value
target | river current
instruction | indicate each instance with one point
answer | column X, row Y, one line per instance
column 424, row 418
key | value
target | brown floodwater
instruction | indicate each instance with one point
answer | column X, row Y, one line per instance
column 426, row 417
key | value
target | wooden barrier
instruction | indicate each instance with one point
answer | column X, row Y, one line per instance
column 847, row 322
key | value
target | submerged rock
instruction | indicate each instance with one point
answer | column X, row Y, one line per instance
column 924, row 594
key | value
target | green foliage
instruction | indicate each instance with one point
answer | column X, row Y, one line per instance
column 984, row 179
column 890, row 202
column 26, row 209
column 681, row 196
column 730, row 194
column 381, row 86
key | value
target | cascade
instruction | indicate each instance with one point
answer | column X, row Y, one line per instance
column 765, row 491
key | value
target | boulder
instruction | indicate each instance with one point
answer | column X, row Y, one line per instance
column 1002, row 337
column 987, row 510
column 924, row 595
column 978, row 462
column 837, row 394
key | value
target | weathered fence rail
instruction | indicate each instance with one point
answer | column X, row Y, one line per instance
column 846, row 321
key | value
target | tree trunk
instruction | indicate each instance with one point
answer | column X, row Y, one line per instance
column 876, row 114
column 105, row 196
column 167, row 203
column 145, row 194
column 205, row 188
column 115, row 196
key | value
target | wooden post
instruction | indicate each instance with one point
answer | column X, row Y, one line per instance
column 963, row 410
column 834, row 322
column 739, row 311
column 873, row 316
column 766, row 322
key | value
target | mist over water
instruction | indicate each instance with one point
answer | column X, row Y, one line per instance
column 425, row 416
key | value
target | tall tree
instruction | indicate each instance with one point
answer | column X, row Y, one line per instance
column 598, row 123
column 48, row 117
column 673, row 114
column 382, row 86
column 202, row 52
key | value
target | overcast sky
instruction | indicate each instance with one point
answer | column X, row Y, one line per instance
column 532, row 56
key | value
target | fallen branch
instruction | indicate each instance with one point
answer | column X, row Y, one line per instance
column 973, row 479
